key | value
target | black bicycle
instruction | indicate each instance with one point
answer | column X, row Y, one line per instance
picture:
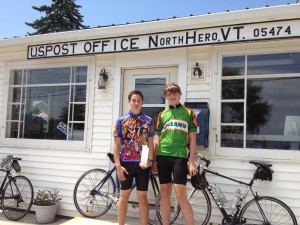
column 16, row 191
column 96, row 192
column 259, row 210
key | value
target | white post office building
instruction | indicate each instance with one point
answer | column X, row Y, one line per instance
column 61, row 93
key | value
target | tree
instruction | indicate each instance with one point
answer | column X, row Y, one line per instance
column 62, row 15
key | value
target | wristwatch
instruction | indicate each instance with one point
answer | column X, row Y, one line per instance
column 151, row 160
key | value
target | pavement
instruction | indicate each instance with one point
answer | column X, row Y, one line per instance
column 107, row 219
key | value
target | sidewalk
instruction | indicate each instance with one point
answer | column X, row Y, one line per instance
column 106, row 219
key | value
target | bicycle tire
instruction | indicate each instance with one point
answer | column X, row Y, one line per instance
column 154, row 203
column 200, row 203
column 153, row 195
column 275, row 211
column 17, row 197
column 90, row 202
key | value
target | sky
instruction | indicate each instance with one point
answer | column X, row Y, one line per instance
column 14, row 13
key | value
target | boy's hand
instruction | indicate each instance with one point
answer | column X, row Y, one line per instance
column 121, row 171
column 192, row 168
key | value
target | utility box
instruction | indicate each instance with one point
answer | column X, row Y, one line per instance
column 201, row 110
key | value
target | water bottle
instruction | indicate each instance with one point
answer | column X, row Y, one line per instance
column 220, row 195
column 236, row 199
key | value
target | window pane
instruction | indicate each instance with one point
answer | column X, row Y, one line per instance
column 233, row 66
column 80, row 74
column 77, row 132
column 233, row 89
column 79, row 112
column 274, row 63
column 232, row 113
column 271, row 103
column 79, row 93
column 49, row 76
column 232, row 136
column 16, row 77
column 152, row 89
column 14, row 112
column 12, row 129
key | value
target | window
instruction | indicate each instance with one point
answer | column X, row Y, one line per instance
column 47, row 104
column 260, row 101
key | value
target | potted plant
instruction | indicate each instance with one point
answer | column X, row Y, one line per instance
column 46, row 205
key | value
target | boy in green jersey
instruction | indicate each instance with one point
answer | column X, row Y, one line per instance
column 176, row 127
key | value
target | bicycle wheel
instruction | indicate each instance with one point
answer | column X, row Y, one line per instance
column 93, row 193
column 17, row 197
column 200, row 203
column 267, row 210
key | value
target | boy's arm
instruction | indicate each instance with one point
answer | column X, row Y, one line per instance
column 117, row 147
column 151, row 152
column 155, row 152
column 192, row 163
column 120, row 170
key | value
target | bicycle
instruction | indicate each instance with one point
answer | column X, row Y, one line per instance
column 16, row 191
column 96, row 192
column 259, row 210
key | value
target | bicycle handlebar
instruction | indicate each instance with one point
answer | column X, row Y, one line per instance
column 17, row 158
column 202, row 157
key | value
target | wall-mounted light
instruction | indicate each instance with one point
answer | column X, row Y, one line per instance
column 102, row 79
column 197, row 72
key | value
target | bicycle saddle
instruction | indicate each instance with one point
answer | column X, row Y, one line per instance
column 261, row 164
column 111, row 157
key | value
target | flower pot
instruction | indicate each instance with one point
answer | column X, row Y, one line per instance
column 46, row 214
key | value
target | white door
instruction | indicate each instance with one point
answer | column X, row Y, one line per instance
column 151, row 81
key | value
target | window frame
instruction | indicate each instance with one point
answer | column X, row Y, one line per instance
column 85, row 145
column 243, row 153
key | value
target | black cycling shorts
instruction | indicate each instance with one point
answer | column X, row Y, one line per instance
column 169, row 167
column 135, row 171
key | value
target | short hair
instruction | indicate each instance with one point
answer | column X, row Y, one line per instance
column 172, row 88
column 135, row 92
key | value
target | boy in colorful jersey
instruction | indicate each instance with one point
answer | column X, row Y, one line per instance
column 176, row 127
column 131, row 131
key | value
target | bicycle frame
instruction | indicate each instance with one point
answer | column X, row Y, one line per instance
column 4, row 181
column 229, row 218
column 7, row 177
column 115, row 196
column 233, row 218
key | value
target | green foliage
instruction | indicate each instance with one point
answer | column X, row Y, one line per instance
column 46, row 197
column 61, row 15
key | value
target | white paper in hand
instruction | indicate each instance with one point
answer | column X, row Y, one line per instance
column 144, row 157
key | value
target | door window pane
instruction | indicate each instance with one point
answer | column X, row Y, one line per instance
column 152, row 89
column 153, row 112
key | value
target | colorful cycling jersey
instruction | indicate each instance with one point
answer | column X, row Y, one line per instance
column 134, row 130
column 173, row 126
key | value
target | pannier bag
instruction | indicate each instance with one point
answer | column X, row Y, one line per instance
column 199, row 181
column 16, row 166
column 263, row 173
